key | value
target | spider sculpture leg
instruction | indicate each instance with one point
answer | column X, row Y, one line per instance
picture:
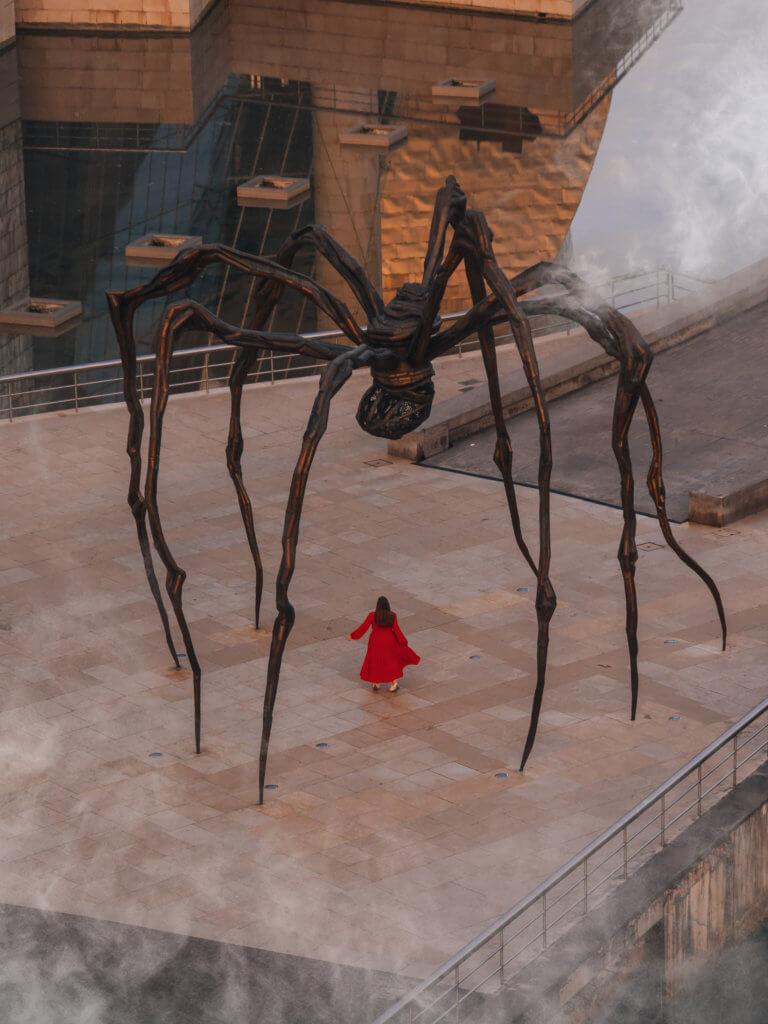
column 333, row 377
column 312, row 237
column 502, row 455
column 240, row 370
column 175, row 576
column 627, row 394
column 187, row 316
column 619, row 338
column 473, row 238
column 179, row 274
column 596, row 325
column 656, row 488
column 121, row 319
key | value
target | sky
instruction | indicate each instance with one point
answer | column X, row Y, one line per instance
column 681, row 176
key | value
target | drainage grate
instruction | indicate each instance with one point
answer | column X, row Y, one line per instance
column 378, row 462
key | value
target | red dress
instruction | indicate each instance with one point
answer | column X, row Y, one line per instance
column 388, row 652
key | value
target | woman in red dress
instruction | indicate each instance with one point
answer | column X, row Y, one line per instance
column 388, row 651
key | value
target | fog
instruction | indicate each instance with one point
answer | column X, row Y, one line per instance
column 681, row 176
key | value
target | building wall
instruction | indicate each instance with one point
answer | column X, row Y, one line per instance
column 529, row 198
column 553, row 8
column 402, row 49
column 126, row 79
column 7, row 21
column 170, row 14
column 145, row 80
column 15, row 350
column 347, row 183
column 14, row 276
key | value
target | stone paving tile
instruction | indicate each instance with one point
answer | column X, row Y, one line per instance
column 396, row 843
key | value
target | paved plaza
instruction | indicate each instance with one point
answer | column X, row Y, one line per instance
column 396, row 843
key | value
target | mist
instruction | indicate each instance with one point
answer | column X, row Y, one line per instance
column 681, row 176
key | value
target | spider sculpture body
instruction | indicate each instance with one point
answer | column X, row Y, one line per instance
column 399, row 345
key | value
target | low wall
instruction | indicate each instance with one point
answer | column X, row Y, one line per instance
column 706, row 891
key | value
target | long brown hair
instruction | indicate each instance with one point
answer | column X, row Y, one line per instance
column 383, row 616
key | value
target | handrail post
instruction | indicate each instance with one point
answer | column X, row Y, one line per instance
column 544, row 918
column 699, row 790
column 663, row 814
column 457, row 993
column 586, row 884
column 141, row 382
column 501, row 956
column 735, row 748
column 10, row 401
column 624, row 847
column 74, row 381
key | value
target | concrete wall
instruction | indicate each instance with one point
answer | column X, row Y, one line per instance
column 647, row 944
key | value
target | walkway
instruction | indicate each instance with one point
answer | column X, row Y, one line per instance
column 393, row 845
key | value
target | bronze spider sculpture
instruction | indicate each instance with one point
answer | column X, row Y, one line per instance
column 399, row 344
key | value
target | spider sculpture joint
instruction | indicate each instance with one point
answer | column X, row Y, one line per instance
column 400, row 343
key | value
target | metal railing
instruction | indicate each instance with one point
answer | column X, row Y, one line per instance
column 484, row 965
column 207, row 367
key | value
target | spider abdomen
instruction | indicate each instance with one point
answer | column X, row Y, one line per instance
column 397, row 402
